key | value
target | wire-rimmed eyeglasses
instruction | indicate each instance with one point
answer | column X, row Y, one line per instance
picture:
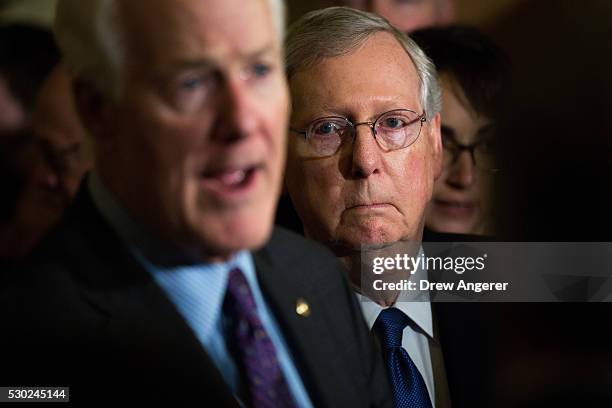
column 393, row 130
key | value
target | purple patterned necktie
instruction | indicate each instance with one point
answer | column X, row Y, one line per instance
column 254, row 351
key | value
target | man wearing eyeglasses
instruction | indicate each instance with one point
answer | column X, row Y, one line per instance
column 364, row 152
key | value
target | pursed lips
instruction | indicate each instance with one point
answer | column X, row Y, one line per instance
column 467, row 204
column 369, row 205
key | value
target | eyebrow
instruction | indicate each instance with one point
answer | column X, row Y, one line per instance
column 207, row 62
column 266, row 49
column 345, row 112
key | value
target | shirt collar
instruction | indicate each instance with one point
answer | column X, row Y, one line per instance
column 133, row 234
column 415, row 304
column 146, row 249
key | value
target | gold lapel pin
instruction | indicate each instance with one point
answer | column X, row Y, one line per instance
column 302, row 308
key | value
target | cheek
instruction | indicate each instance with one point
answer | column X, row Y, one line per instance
column 164, row 138
column 312, row 183
column 175, row 154
column 414, row 179
column 484, row 189
column 272, row 115
column 438, row 187
column 440, row 182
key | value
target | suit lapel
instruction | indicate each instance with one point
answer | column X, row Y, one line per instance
column 442, row 393
column 139, row 316
column 307, row 335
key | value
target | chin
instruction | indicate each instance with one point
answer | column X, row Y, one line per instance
column 253, row 237
column 253, row 231
column 223, row 236
column 368, row 236
column 230, row 241
column 453, row 228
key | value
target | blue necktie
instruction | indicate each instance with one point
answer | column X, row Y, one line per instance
column 409, row 389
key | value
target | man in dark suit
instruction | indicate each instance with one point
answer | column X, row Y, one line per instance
column 162, row 283
column 364, row 152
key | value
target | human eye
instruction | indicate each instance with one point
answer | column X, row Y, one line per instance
column 189, row 91
column 326, row 128
column 487, row 146
column 190, row 84
column 396, row 120
column 261, row 69
column 258, row 70
column 325, row 136
column 393, row 122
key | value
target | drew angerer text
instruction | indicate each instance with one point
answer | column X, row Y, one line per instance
column 424, row 284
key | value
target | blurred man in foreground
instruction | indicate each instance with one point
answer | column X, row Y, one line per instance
column 165, row 281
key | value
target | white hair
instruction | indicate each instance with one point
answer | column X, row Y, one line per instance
column 89, row 35
column 336, row 31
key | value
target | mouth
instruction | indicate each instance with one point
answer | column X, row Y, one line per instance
column 456, row 208
column 231, row 182
column 369, row 206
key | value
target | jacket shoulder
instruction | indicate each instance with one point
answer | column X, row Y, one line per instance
column 290, row 251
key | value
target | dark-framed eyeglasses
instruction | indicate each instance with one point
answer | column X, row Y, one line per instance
column 393, row 130
column 483, row 153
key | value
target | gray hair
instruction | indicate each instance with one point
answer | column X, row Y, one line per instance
column 336, row 31
column 89, row 36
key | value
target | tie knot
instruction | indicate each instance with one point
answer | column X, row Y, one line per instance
column 389, row 327
column 238, row 294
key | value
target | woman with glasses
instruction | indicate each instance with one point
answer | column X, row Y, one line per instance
column 473, row 75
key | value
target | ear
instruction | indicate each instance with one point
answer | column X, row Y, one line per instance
column 93, row 108
column 436, row 145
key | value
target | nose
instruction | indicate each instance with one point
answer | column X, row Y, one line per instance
column 238, row 112
column 365, row 154
column 46, row 177
column 462, row 172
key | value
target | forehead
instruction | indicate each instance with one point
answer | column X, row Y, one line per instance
column 164, row 30
column 378, row 75
column 456, row 104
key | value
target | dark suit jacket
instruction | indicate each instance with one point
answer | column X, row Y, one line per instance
column 461, row 347
column 83, row 313
column 523, row 355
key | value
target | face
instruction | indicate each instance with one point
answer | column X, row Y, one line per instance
column 40, row 204
column 462, row 195
column 197, row 138
column 12, row 115
column 361, row 194
column 409, row 15
column 56, row 124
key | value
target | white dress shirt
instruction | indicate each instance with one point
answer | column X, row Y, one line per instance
column 415, row 338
